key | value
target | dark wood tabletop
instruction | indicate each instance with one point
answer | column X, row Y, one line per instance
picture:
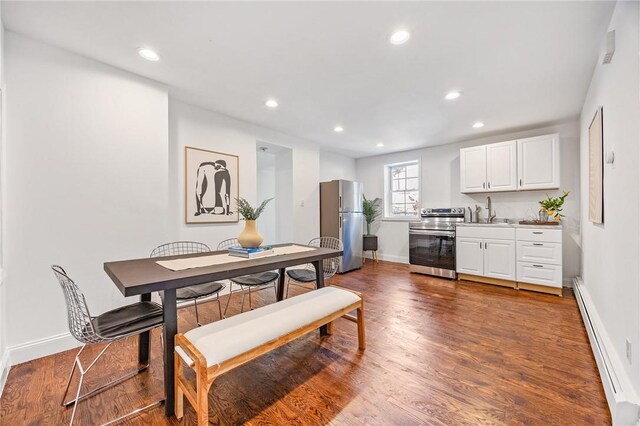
column 140, row 276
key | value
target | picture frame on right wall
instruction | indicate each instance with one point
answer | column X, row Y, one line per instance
column 596, row 168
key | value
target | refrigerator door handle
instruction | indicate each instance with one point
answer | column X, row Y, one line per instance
column 340, row 221
column 340, row 202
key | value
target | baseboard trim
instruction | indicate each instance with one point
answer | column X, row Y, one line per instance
column 41, row 347
column 4, row 370
column 623, row 402
column 393, row 258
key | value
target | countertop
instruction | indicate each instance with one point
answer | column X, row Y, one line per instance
column 510, row 224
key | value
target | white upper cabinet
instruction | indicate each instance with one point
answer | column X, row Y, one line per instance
column 502, row 174
column 532, row 163
column 473, row 169
column 539, row 162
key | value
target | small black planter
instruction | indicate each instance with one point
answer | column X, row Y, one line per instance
column 369, row 242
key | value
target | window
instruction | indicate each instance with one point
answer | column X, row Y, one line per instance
column 402, row 190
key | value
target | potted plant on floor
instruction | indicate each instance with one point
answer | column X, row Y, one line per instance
column 250, row 237
column 372, row 211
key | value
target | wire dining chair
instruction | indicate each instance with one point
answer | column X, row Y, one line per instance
column 248, row 281
column 109, row 328
column 300, row 276
column 193, row 292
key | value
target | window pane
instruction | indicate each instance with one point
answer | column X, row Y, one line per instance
column 412, row 184
column 412, row 170
column 398, row 209
column 399, row 172
column 397, row 197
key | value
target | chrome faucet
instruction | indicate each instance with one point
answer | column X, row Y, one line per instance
column 490, row 215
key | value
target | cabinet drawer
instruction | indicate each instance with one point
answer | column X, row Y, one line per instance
column 539, row 273
column 486, row 232
column 535, row 252
column 539, row 235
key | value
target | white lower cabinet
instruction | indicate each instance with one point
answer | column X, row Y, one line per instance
column 469, row 256
column 532, row 257
column 539, row 257
column 499, row 256
column 485, row 251
column 540, row 274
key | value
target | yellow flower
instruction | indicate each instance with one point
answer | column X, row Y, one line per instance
column 557, row 218
column 550, row 212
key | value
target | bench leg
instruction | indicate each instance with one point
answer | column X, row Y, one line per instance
column 179, row 401
column 330, row 328
column 361, row 339
column 202, row 395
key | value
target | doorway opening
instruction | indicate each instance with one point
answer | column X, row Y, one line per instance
column 274, row 179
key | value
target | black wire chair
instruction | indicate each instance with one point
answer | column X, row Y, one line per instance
column 193, row 292
column 307, row 274
column 248, row 281
column 109, row 328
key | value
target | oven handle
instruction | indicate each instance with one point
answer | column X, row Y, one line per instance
column 434, row 233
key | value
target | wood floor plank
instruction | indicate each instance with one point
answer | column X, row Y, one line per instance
column 439, row 352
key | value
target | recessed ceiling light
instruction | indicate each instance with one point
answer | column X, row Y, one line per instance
column 380, row 145
column 338, row 129
column 478, row 124
column 148, row 54
column 271, row 103
column 454, row 94
column 399, row 37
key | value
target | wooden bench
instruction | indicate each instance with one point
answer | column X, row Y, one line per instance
column 214, row 349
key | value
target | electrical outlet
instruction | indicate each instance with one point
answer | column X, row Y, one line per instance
column 628, row 351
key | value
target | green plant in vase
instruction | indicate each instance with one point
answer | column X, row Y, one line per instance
column 250, row 237
column 371, row 210
column 552, row 207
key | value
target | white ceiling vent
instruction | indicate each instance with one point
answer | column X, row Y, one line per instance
column 609, row 47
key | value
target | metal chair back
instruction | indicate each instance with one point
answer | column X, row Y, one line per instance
column 231, row 242
column 179, row 247
column 78, row 315
column 329, row 266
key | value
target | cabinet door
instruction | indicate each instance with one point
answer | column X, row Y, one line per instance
column 502, row 174
column 500, row 259
column 469, row 256
column 473, row 169
column 539, row 162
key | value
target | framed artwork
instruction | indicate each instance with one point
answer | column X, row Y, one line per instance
column 596, row 169
column 211, row 186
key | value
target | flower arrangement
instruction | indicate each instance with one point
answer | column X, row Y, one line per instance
column 553, row 206
column 247, row 211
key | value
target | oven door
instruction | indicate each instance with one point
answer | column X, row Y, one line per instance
column 433, row 249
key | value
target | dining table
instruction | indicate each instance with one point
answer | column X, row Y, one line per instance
column 142, row 277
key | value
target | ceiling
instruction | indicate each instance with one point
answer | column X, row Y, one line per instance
column 518, row 64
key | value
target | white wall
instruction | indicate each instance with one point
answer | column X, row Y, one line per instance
column 193, row 126
column 440, row 187
column 4, row 353
column 335, row 166
column 611, row 251
column 86, row 182
column 266, row 188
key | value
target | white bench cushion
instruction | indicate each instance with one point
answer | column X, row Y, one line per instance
column 225, row 339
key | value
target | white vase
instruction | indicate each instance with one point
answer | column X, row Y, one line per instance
column 250, row 237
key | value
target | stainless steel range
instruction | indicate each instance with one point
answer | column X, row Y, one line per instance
column 432, row 242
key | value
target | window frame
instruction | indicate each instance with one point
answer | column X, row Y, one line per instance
column 388, row 192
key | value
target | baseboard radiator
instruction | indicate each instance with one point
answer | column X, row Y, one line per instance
column 622, row 400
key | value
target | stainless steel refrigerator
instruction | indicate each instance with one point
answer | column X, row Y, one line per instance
column 341, row 217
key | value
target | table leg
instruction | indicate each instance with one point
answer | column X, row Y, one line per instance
column 144, row 341
column 320, row 283
column 170, row 331
column 280, row 290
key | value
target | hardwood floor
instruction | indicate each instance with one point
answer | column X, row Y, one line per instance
column 439, row 352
